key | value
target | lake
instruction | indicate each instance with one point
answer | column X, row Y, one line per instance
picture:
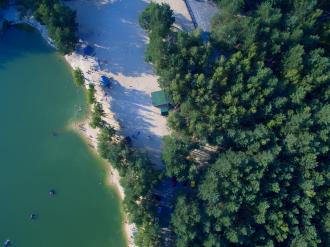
column 39, row 152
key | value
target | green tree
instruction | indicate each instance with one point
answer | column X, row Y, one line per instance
column 185, row 220
column 104, row 140
column 258, row 91
column 91, row 94
column 78, row 77
column 97, row 114
column 175, row 156
column 148, row 236
column 157, row 18
column 59, row 19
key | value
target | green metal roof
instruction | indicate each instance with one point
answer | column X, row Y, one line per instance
column 164, row 110
column 159, row 98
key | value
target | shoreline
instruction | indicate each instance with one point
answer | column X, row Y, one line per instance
column 89, row 135
column 76, row 60
column 112, row 175
column 127, row 103
column 92, row 73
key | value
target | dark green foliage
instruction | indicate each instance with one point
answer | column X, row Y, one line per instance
column 78, row 77
column 138, row 179
column 157, row 18
column 185, row 220
column 149, row 237
column 97, row 114
column 175, row 158
column 91, row 94
column 59, row 19
column 265, row 103
column 104, row 139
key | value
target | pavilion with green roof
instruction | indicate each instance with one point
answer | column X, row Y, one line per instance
column 161, row 100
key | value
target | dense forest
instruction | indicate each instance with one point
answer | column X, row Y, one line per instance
column 258, row 92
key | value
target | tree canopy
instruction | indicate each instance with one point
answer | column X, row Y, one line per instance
column 157, row 18
column 59, row 19
column 78, row 77
column 258, row 90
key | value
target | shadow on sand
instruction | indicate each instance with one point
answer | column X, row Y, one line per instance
column 112, row 28
column 120, row 43
column 133, row 112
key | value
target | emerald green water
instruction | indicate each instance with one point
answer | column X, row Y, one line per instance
column 38, row 98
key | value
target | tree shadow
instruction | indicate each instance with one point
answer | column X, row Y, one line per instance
column 133, row 109
column 183, row 22
column 202, row 12
column 115, row 34
column 112, row 28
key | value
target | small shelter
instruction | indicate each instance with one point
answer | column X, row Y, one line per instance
column 104, row 81
column 161, row 100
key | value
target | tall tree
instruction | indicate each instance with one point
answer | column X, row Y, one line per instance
column 259, row 90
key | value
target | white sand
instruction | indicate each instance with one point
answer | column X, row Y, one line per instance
column 112, row 28
column 113, row 178
column 92, row 74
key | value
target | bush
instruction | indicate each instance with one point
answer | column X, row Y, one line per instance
column 104, row 140
column 78, row 77
column 97, row 114
column 157, row 18
column 138, row 179
column 91, row 94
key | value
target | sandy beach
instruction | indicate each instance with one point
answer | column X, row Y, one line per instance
column 111, row 27
column 113, row 179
